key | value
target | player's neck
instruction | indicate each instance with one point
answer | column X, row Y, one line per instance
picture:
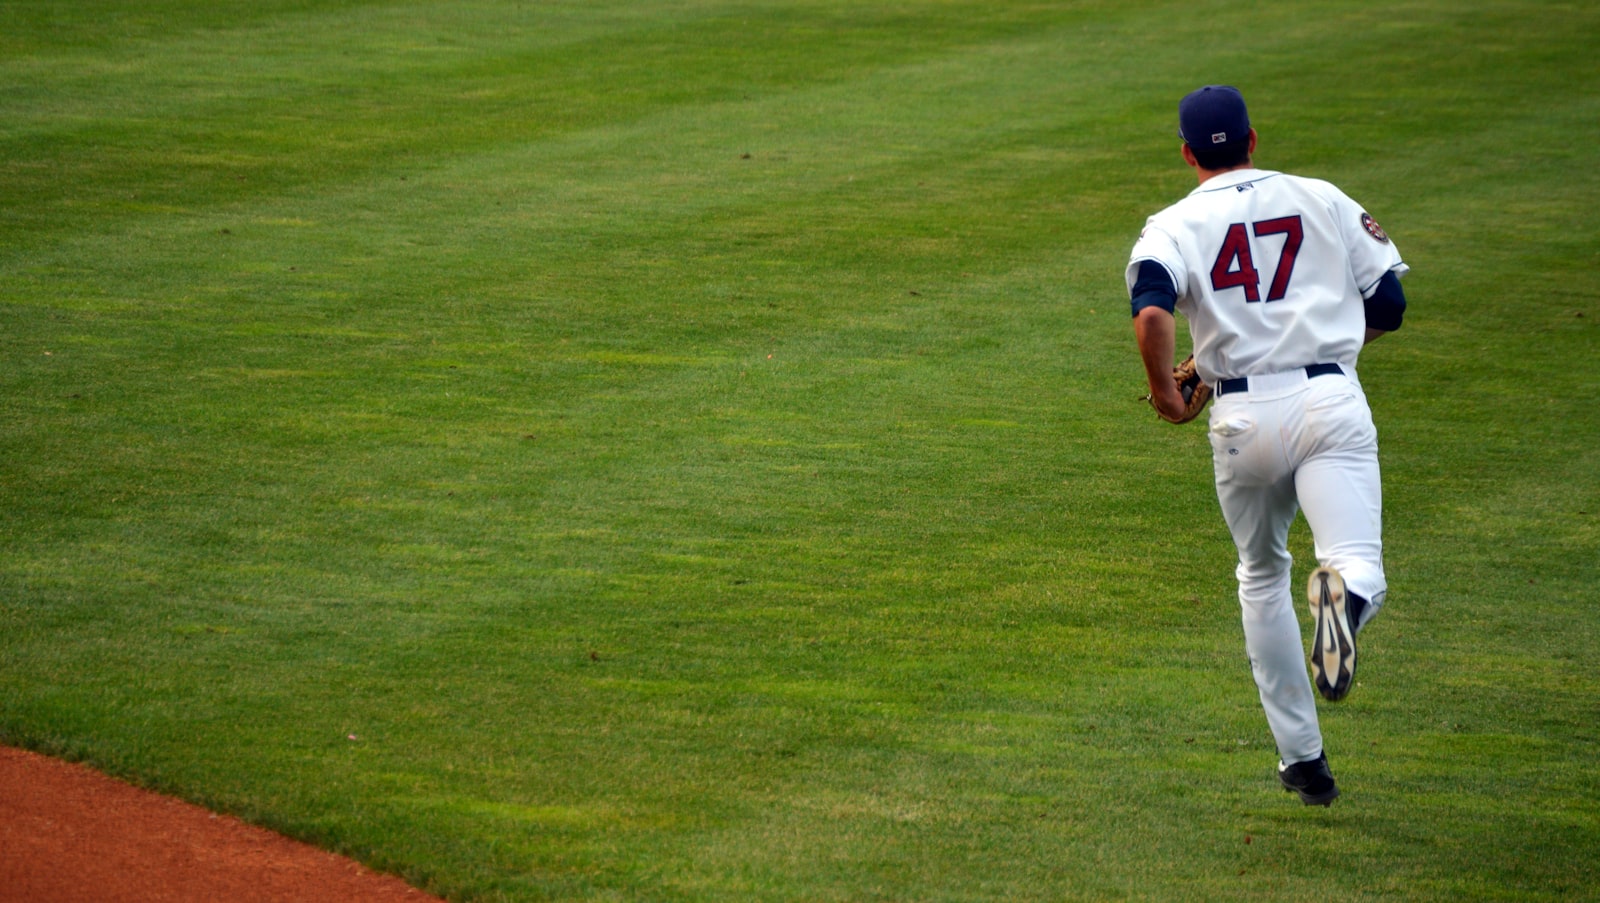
column 1206, row 175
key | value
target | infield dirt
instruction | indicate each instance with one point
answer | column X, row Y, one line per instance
column 69, row 834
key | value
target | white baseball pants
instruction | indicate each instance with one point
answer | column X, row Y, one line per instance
column 1293, row 443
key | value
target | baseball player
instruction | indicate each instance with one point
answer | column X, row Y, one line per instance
column 1283, row 280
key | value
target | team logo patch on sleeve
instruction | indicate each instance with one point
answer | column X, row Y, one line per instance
column 1373, row 229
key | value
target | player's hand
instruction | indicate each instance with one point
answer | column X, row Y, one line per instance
column 1181, row 399
column 1168, row 402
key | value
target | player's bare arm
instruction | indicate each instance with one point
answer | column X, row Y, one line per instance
column 1156, row 332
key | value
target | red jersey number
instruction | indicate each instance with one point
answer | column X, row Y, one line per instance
column 1235, row 266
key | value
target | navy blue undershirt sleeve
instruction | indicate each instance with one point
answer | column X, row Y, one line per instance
column 1387, row 305
column 1153, row 288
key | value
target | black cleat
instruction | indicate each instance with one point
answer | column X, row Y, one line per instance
column 1312, row 780
column 1333, row 655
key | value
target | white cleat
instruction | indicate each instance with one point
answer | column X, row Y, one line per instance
column 1333, row 657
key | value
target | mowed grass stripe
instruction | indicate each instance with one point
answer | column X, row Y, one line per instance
column 234, row 113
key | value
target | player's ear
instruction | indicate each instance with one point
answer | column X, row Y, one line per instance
column 1252, row 150
column 1189, row 157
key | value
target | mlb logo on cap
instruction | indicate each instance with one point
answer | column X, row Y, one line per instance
column 1216, row 112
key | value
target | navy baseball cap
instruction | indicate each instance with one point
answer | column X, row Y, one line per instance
column 1212, row 117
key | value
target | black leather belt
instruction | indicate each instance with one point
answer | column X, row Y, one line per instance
column 1242, row 383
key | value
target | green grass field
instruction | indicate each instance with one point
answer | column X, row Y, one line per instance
column 689, row 450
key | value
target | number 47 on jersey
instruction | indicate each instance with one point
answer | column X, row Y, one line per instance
column 1235, row 266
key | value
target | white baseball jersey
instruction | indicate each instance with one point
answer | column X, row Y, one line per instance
column 1270, row 271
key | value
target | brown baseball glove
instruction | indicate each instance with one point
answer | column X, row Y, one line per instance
column 1194, row 390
